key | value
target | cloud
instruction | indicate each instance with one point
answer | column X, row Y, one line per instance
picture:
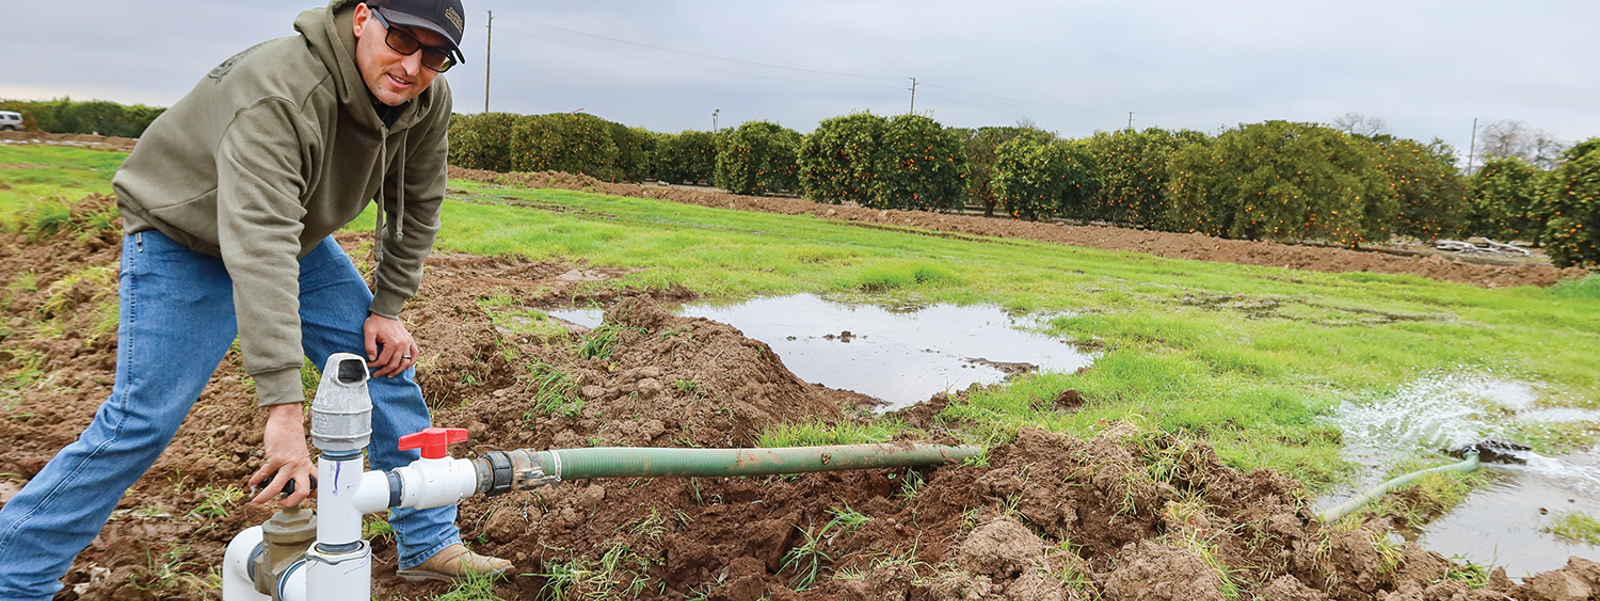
column 1425, row 66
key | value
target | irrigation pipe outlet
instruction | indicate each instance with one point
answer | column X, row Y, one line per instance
column 1348, row 507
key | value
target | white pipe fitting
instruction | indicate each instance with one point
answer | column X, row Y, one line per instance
column 428, row 483
column 236, row 582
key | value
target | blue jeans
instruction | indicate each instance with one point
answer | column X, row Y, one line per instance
column 177, row 322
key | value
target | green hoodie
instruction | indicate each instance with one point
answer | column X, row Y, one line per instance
column 271, row 152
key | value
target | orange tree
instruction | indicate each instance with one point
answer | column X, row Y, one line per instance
column 1035, row 179
column 1573, row 229
column 686, row 158
column 920, row 166
column 1426, row 187
column 979, row 146
column 1280, row 180
column 1506, row 200
column 569, row 142
column 1133, row 174
column 839, row 160
column 635, row 152
column 758, row 158
column 480, row 141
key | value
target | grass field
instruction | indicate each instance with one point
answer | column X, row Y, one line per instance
column 29, row 173
column 1249, row 358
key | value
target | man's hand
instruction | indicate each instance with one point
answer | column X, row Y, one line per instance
column 399, row 350
column 287, row 458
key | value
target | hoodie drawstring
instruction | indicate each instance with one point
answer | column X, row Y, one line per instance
column 400, row 215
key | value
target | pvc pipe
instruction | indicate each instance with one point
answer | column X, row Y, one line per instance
column 430, row 483
column 339, row 483
column 615, row 462
column 237, row 585
column 1348, row 507
column 292, row 584
column 335, row 574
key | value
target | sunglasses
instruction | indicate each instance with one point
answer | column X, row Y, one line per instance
column 434, row 58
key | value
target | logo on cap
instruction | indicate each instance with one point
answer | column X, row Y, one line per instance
column 455, row 19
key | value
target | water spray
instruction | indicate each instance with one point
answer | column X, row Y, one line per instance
column 298, row 556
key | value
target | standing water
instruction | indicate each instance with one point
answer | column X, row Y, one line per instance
column 900, row 356
column 1502, row 524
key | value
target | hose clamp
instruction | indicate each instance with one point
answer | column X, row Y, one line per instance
column 534, row 476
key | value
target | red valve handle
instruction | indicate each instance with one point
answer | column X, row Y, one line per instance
column 433, row 440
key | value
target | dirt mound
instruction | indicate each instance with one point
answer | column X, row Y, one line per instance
column 1196, row 247
column 84, row 140
column 1132, row 515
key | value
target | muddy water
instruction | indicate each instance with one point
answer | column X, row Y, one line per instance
column 901, row 356
column 1499, row 525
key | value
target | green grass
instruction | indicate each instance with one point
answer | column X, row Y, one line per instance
column 808, row 434
column 1575, row 526
column 31, row 172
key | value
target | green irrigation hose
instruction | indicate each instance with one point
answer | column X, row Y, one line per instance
column 1348, row 507
column 619, row 462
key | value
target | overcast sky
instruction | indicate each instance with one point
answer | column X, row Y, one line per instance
column 1425, row 67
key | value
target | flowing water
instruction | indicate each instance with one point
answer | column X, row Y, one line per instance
column 901, row 355
column 1502, row 524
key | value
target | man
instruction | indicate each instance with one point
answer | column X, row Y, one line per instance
column 229, row 201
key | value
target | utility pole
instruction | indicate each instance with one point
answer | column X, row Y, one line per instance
column 1130, row 119
column 913, row 95
column 488, row 48
column 1472, row 146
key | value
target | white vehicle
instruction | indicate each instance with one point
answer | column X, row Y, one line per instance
column 10, row 121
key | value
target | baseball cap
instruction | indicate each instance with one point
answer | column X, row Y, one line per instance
column 444, row 17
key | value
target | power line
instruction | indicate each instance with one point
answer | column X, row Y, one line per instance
column 699, row 68
column 980, row 101
column 686, row 52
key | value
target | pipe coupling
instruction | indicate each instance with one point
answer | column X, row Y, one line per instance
column 500, row 472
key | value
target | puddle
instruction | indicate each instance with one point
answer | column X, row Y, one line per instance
column 901, row 356
column 1499, row 525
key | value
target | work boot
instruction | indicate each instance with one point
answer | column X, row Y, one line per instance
column 453, row 563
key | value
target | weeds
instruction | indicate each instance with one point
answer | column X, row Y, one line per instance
column 619, row 574
column 103, row 278
column 1230, row 586
column 1071, row 573
column 602, row 340
column 215, row 503
column 806, row 559
column 555, row 391
column 911, row 483
column 374, row 526
column 27, row 282
column 472, row 587
column 1575, row 526
column 1390, row 552
column 169, row 575
column 1475, row 576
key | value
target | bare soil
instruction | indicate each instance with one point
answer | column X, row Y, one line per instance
column 83, row 140
column 1131, row 515
column 1198, row 247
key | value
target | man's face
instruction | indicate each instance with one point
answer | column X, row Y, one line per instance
column 394, row 78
